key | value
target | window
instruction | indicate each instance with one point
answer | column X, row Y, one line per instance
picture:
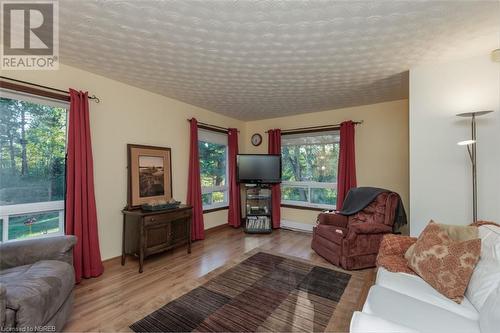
column 309, row 167
column 213, row 168
column 32, row 166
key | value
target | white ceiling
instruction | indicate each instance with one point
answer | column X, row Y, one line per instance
column 262, row 59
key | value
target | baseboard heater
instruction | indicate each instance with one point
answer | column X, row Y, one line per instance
column 297, row 226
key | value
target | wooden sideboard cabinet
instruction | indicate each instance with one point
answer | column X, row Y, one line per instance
column 146, row 233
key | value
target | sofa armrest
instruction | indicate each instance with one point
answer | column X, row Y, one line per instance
column 395, row 245
column 333, row 219
column 26, row 252
column 367, row 323
column 3, row 305
column 369, row 228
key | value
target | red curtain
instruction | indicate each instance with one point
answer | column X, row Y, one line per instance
column 274, row 147
column 234, row 215
column 194, row 185
column 81, row 213
column 347, row 162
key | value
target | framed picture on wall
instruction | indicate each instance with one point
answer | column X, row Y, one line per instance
column 149, row 175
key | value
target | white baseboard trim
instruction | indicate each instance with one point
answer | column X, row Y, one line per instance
column 296, row 226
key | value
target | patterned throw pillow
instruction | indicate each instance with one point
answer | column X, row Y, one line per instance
column 395, row 264
column 390, row 254
column 455, row 232
column 444, row 263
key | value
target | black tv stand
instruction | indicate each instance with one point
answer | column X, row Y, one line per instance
column 258, row 217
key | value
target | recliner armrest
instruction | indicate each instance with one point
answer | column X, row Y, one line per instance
column 333, row 219
column 369, row 228
column 26, row 252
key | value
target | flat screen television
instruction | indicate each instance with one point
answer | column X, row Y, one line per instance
column 258, row 169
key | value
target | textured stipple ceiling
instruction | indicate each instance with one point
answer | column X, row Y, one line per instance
column 262, row 59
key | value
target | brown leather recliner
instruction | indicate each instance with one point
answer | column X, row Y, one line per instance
column 352, row 242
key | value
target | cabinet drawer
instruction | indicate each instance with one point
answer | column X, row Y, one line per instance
column 156, row 219
column 181, row 215
column 166, row 217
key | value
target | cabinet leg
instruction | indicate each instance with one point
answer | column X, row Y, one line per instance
column 141, row 262
column 123, row 238
column 188, row 225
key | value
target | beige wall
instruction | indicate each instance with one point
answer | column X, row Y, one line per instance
column 441, row 187
column 129, row 115
column 381, row 146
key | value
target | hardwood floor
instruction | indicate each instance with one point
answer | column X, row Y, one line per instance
column 122, row 296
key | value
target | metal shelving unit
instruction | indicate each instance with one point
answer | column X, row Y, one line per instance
column 258, row 218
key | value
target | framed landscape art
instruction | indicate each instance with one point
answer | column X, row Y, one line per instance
column 149, row 175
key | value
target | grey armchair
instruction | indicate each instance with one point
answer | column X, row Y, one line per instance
column 36, row 283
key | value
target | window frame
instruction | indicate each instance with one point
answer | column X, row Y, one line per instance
column 34, row 208
column 216, row 137
column 308, row 185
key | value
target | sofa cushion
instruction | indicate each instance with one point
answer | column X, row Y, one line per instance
column 332, row 233
column 444, row 263
column 414, row 286
column 415, row 314
column 366, row 323
column 37, row 291
column 485, row 279
column 490, row 241
column 12, row 273
column 489, row 321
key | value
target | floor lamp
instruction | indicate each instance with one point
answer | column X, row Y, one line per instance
column 471, row 149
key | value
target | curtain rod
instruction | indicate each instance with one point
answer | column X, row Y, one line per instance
column 93, row 97
column 315, row 128
column 212, row 127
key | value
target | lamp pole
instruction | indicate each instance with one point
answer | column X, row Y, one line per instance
column 473, row 156
column 474, row 169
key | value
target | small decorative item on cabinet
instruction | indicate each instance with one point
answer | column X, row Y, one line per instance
column 161, row 205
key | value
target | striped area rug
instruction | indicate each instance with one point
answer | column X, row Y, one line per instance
column 262, row 293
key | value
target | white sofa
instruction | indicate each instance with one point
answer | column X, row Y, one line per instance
column 400, row 302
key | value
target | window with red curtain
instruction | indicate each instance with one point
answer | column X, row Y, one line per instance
column 32, row 199
column 81, row 213
column 194, row 184
column 213, row 154
column 274, row 147
column 234, row 212
column 310, row 166
column 347, row 162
